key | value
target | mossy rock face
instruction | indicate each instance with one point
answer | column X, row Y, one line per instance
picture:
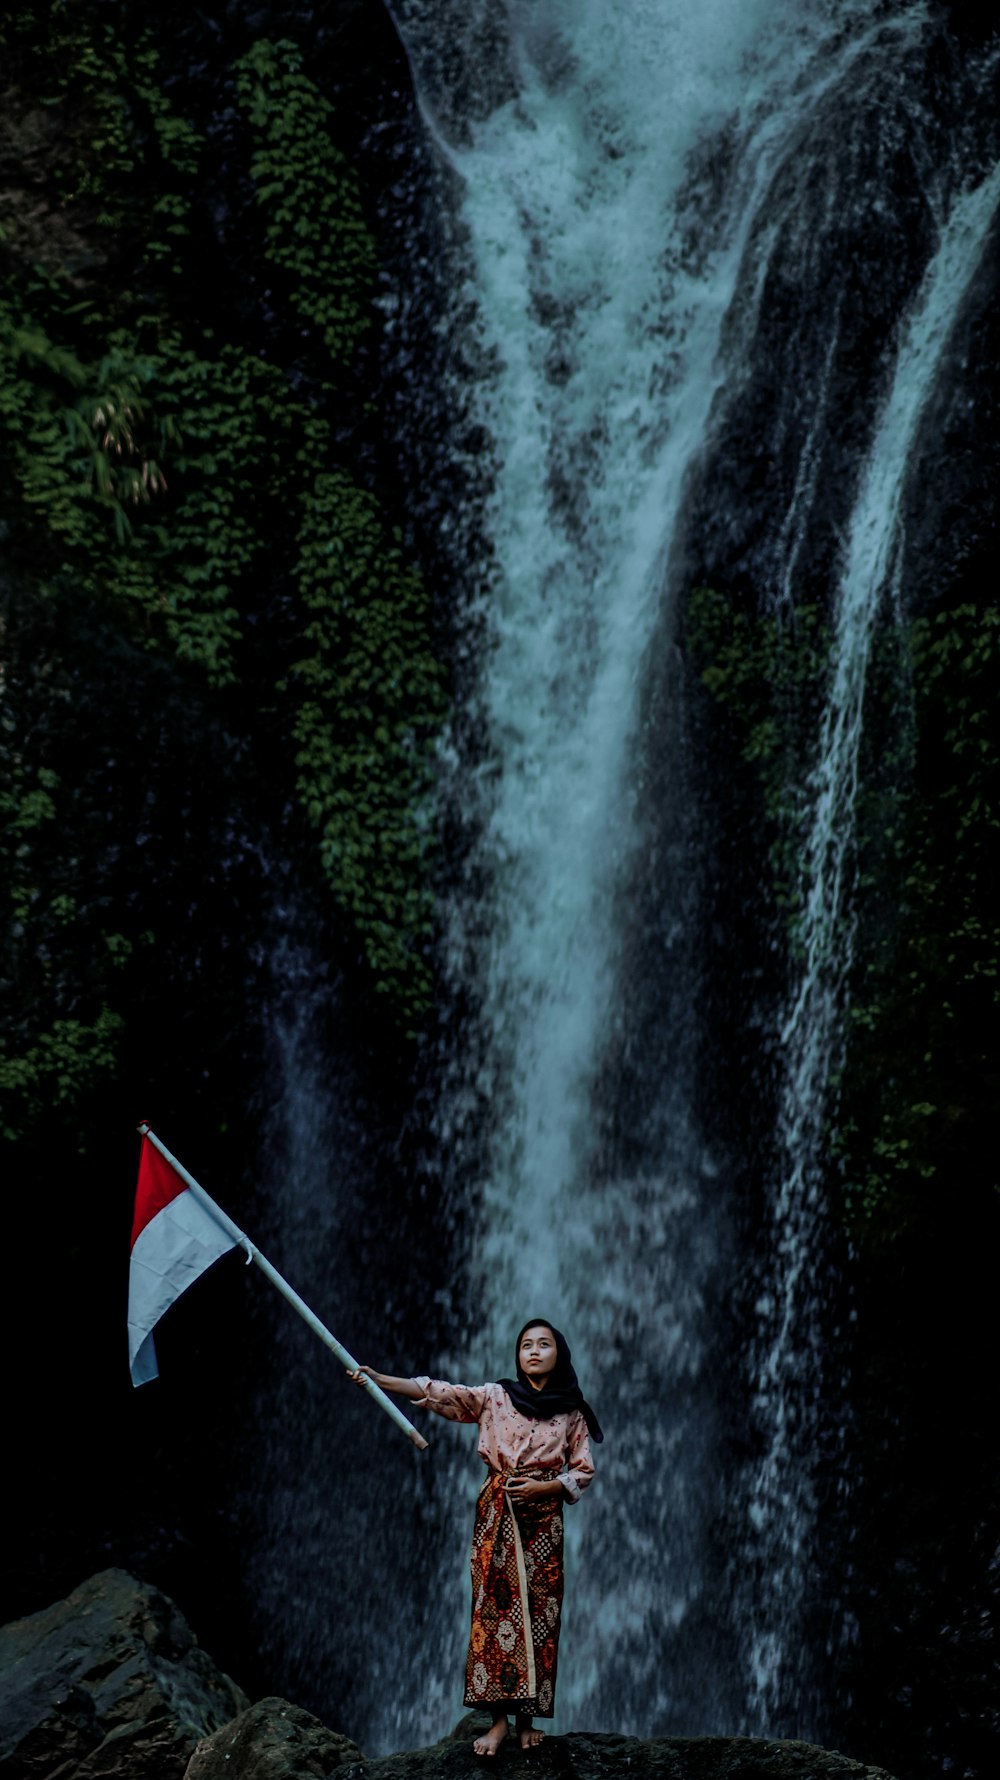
column 179, row 470
column 914, row 1099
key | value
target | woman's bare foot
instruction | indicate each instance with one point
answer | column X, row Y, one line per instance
column 527, row 1735
column 490, row 1741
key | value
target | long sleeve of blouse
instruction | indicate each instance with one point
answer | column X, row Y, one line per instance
column 509, row 1441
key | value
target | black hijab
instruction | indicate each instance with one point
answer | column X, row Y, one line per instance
column 561, row 1392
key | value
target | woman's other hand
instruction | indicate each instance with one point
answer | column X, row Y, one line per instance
column 362, row 1374
column 533, row 1489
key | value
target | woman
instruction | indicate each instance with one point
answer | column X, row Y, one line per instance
column 533, row 1436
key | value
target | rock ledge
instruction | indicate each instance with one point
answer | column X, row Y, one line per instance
column 110, row 1684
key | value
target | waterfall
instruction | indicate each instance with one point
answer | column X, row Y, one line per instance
column 787, row 1359
column 668, row 371
column 620, row 199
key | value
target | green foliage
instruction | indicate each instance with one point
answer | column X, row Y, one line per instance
column 916, row 1097
column 57, row 1072
column 50, row 1056
column 314, row 229
column 86, row 451
column 106, row 88
column 919, row 1086
column 166, row 480
column 766, row 674
column 371, row 699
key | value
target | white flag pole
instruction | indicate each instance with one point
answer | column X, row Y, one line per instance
column 299, row 1304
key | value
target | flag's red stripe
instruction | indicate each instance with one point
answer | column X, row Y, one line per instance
column 158, row 1184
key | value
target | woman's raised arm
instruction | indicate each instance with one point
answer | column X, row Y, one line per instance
column 402, row 1387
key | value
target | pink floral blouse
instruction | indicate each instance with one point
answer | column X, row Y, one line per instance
column 509, row 1440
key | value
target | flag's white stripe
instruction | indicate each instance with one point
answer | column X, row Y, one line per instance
column 169, row 1254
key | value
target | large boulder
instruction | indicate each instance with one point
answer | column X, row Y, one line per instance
column 274, row 1740
column 109, row 1684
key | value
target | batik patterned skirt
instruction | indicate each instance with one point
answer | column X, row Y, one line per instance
column 517, row 1590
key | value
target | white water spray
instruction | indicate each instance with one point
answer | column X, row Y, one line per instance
column 602, row 274
column 621, row 207
column 788, row 1357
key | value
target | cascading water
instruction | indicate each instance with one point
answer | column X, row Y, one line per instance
column 788, row 1351
column 655, row 328
column 618, row 199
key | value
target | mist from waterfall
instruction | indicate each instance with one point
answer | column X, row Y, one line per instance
column 652, row 337
column 619, row 214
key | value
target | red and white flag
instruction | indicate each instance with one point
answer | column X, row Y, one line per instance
column 174, row 1239
column 177, row 1233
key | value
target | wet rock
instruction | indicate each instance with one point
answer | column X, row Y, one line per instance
column 589, row 1756
column 274, row 1740
column 109, row 1684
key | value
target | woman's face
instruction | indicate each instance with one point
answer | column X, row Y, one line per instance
column 538, row 1354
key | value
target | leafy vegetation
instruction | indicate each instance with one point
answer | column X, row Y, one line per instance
column 314, row 229
column 915, row 1102
column 767, row 674
column 369, row 699
column 919, row 1089
column 177, row 476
